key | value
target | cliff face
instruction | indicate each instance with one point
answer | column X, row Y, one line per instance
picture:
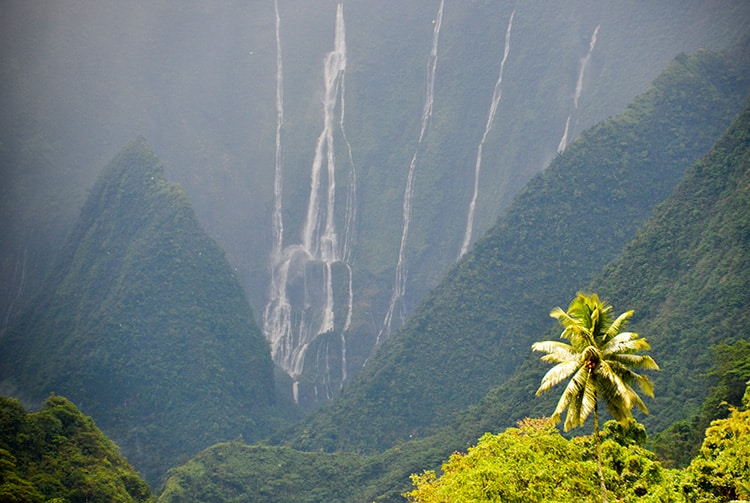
column 397, row 133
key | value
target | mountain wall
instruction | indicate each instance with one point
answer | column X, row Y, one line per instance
column 684, row 273
column 474, row 329
column 354, row 147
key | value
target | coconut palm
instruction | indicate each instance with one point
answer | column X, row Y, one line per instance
column 599, row 360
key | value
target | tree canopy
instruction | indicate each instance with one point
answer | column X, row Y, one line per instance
column 58, row 454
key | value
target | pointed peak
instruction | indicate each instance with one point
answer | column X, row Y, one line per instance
column 136, row 158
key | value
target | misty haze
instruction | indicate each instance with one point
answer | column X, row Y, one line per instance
column 218, row 215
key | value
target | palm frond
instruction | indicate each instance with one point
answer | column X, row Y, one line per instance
column 573, row 394
column 634, row 361
column 557, row 374
column 646, row 385
column 639, row 403
column 556, row 351
column 625, row 342
column 572, row 417
column 588, row 401
column 649, row 363
column 616, row 326
column 568, row 323
column 630, row 377
column 595, row 319
column 562, row 317
column 611, row 383
column 599, row 361
column 619, row 411
column 566, row 398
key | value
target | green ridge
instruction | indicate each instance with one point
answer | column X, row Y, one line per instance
column 144, row 326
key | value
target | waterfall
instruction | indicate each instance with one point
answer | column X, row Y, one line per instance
column 277, row 222
column 277, row 314
column 301, row 304
column 496, row 96
column 579, row 88
column 399, row 284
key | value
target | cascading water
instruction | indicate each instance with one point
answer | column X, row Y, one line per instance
column 399, row 284
column 579, row 88
column 301, row 305
column 277, row 222
column 496, row 96
column 277, row 315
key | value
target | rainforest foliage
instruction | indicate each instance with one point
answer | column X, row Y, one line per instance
column 686, row 274
column 534, row 463
column 679, row 443
column 475, row 328
column 57, row 454
column 144, row 326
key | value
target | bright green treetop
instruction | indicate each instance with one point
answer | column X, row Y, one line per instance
column 599, row 360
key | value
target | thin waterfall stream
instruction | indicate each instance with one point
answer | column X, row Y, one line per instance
column 399, row 284
column 497, row 95
column 579, row 89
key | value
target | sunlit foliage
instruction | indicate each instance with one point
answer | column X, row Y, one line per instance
column 534, row 463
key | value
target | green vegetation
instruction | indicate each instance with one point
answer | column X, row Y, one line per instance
column 533, row 454
column 510, row 401
column 721, row 471
column 686, row 276
column 535, row 463
column 59, row 455
column 600, row 358
column 694, row 312
column 144, row 326
column 680, row 442
column 235, row 471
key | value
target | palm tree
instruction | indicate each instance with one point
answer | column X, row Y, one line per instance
column 600, row 358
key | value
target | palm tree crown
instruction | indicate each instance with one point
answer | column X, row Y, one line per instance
column 600, row 358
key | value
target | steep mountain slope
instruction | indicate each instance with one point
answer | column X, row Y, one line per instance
column 476, row 327
column 227, row 92
column 143, row 324
column 694, row 246
column 693, row 251
column 686, row 275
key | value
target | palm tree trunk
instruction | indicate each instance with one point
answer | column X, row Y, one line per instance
column 598, row 446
